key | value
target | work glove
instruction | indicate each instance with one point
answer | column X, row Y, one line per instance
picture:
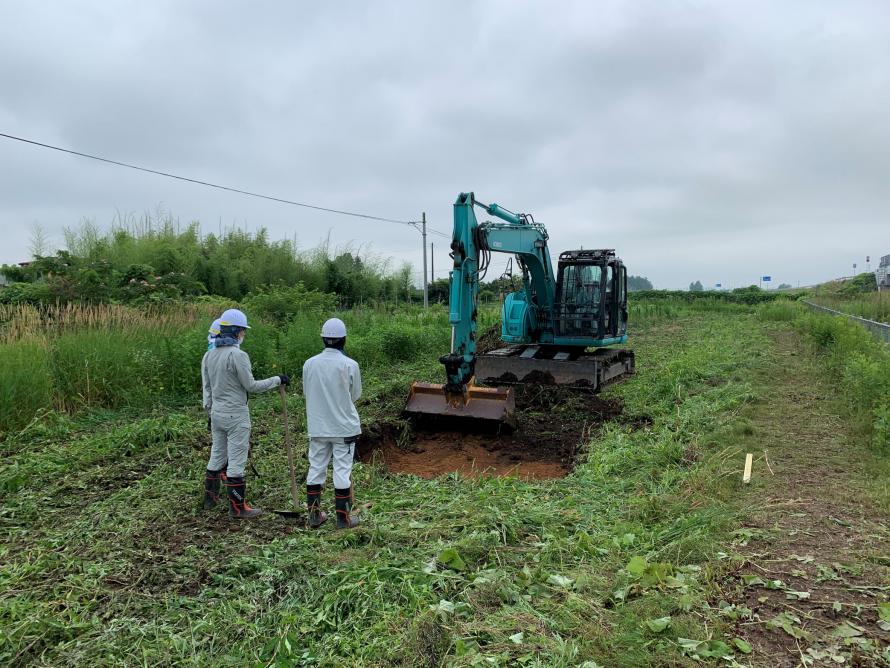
column 284, row 378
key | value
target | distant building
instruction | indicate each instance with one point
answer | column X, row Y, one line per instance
column 883, row 273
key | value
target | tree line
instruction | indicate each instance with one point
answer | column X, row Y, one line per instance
column 157, row 261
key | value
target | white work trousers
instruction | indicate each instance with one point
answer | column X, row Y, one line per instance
column 320, row 452
column 231, row 443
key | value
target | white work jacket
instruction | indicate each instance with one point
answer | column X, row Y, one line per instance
column 331, row 383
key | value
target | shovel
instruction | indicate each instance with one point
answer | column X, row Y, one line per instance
column 290, row 461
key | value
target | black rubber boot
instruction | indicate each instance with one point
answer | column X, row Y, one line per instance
column 317, row 516
column 237, row 500
column 343, row 501
column 212, row 480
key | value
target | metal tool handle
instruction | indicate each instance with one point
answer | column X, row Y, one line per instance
column 290, row 450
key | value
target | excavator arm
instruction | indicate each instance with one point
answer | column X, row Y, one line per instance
column 471, row 247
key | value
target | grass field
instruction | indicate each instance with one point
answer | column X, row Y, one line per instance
column 649, row 552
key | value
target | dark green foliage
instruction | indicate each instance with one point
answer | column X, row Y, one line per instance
column 865, row 282
column 154, row 262
column 281, row 303
column 438, row 291
column 750, row 296
column 696, row 287
column 638, row 283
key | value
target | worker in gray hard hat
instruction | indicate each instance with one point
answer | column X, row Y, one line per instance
column 227, row 379
column 332, row 383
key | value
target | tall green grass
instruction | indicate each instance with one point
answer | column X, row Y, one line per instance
column 859, row 363
column 111, row 367
column 871, row 306
column 25, row 386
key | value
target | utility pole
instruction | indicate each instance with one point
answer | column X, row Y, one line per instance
column 426, row 295
column 432, row 262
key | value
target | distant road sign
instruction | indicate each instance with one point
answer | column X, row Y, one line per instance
column 719, row 285
column 767, row 279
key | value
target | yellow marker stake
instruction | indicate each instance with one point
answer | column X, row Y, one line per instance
column 749, row 461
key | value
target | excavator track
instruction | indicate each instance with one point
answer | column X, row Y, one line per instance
column 551, row 365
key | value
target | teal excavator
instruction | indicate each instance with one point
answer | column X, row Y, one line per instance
column 556, row 328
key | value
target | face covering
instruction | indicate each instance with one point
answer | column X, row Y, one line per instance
column 227, row 340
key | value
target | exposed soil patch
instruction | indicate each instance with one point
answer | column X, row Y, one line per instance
column 489, row 340
column 552, row 425
column 472, row 455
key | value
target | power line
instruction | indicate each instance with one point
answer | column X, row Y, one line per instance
column 212, row 185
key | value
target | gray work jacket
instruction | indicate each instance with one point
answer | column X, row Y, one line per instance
column 227, row 380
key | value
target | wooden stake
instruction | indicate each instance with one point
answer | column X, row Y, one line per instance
column 749, row 461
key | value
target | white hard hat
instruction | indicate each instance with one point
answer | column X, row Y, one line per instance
column 234, row 318
column 333, row 329
column 214, row 328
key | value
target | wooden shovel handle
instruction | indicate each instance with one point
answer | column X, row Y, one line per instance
column 290, row 450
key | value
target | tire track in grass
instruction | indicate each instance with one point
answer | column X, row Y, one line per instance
column 809, row 578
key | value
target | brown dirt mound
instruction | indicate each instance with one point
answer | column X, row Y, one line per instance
column 553, row 424
column 489, row 340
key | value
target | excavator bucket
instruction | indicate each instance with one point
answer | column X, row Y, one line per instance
column 481, row 406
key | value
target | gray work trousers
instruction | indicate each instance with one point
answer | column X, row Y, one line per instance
column 321, row 450
column 231, row 443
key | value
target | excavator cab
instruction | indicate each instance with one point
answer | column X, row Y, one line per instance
column 591, row 298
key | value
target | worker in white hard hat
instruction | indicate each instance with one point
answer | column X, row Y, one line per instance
column 212, row 333
column 332, row 384
column 227, row 380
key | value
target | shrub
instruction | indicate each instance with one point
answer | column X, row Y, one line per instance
column 398, row 344
column 280, row 303
column 300, row 341
column 865, row 282
column 26, row 293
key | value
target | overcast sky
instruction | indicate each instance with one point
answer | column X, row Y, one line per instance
column 711, row 141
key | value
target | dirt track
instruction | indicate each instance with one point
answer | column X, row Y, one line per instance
column 814, row 540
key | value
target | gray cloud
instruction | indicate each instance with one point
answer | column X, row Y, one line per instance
column 709, row 141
